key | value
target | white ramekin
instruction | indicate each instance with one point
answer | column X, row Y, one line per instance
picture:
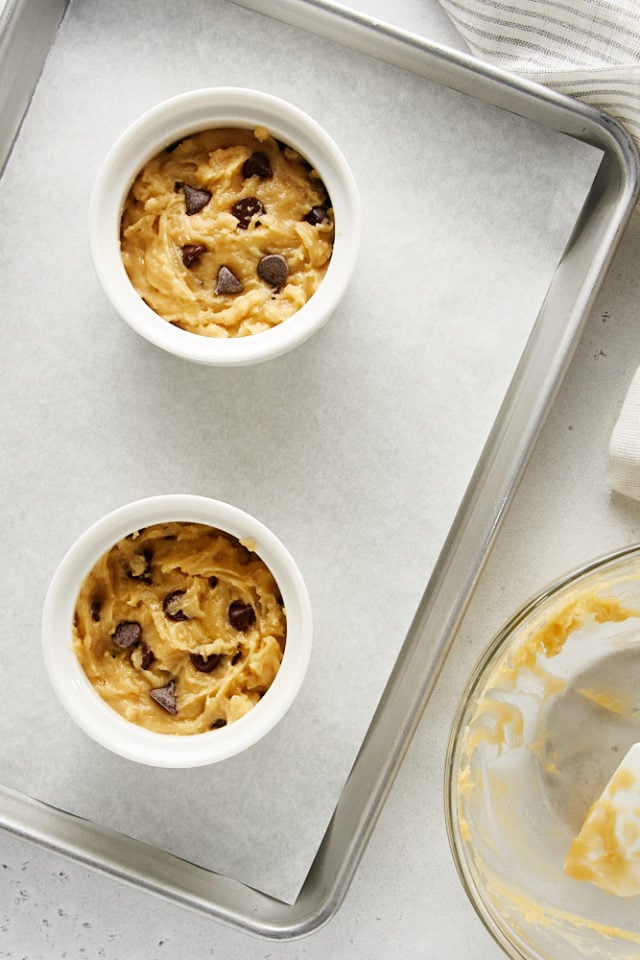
column 94, row 715
column 172, row 120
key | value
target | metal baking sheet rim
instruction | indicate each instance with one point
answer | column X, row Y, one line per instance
column 533, row 388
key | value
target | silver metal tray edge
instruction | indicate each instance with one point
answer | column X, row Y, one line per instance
column 533, row 388
column 27, row 29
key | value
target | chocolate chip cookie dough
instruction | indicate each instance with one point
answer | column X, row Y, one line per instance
column 180, row 628
column 227, row 233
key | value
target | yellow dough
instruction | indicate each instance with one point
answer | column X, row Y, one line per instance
column 156, row 228
column 166, row 600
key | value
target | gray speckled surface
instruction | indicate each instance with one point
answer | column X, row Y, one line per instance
column 405, row 898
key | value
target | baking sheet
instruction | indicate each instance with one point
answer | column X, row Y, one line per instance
column 356, row 449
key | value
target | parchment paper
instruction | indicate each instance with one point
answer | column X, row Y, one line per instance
column 356, row 448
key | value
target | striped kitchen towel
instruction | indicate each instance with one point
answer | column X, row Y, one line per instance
column 589, row 49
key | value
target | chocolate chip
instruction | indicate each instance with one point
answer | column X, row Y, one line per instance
column 257, row 165
column 171, row 606
column 213, row 582
column 205, row 664
column 195, row 198
column 148, row 656
column 246, row 208
column 236, row 657
column 165, row 697
column 192, row 252
column 96, row 607
column 127, row 633
column 315, row 216
column 273, row 269
column 218, row 723
column 227, row 282
column 241, row 615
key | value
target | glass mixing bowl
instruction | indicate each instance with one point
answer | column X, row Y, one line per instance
column 546, row 717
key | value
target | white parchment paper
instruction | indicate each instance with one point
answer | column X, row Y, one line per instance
column 356, row 448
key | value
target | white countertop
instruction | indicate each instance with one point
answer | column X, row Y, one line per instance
column 406, row 898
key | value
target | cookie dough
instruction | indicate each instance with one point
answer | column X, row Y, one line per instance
column 227, row 233
column 180, row 628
